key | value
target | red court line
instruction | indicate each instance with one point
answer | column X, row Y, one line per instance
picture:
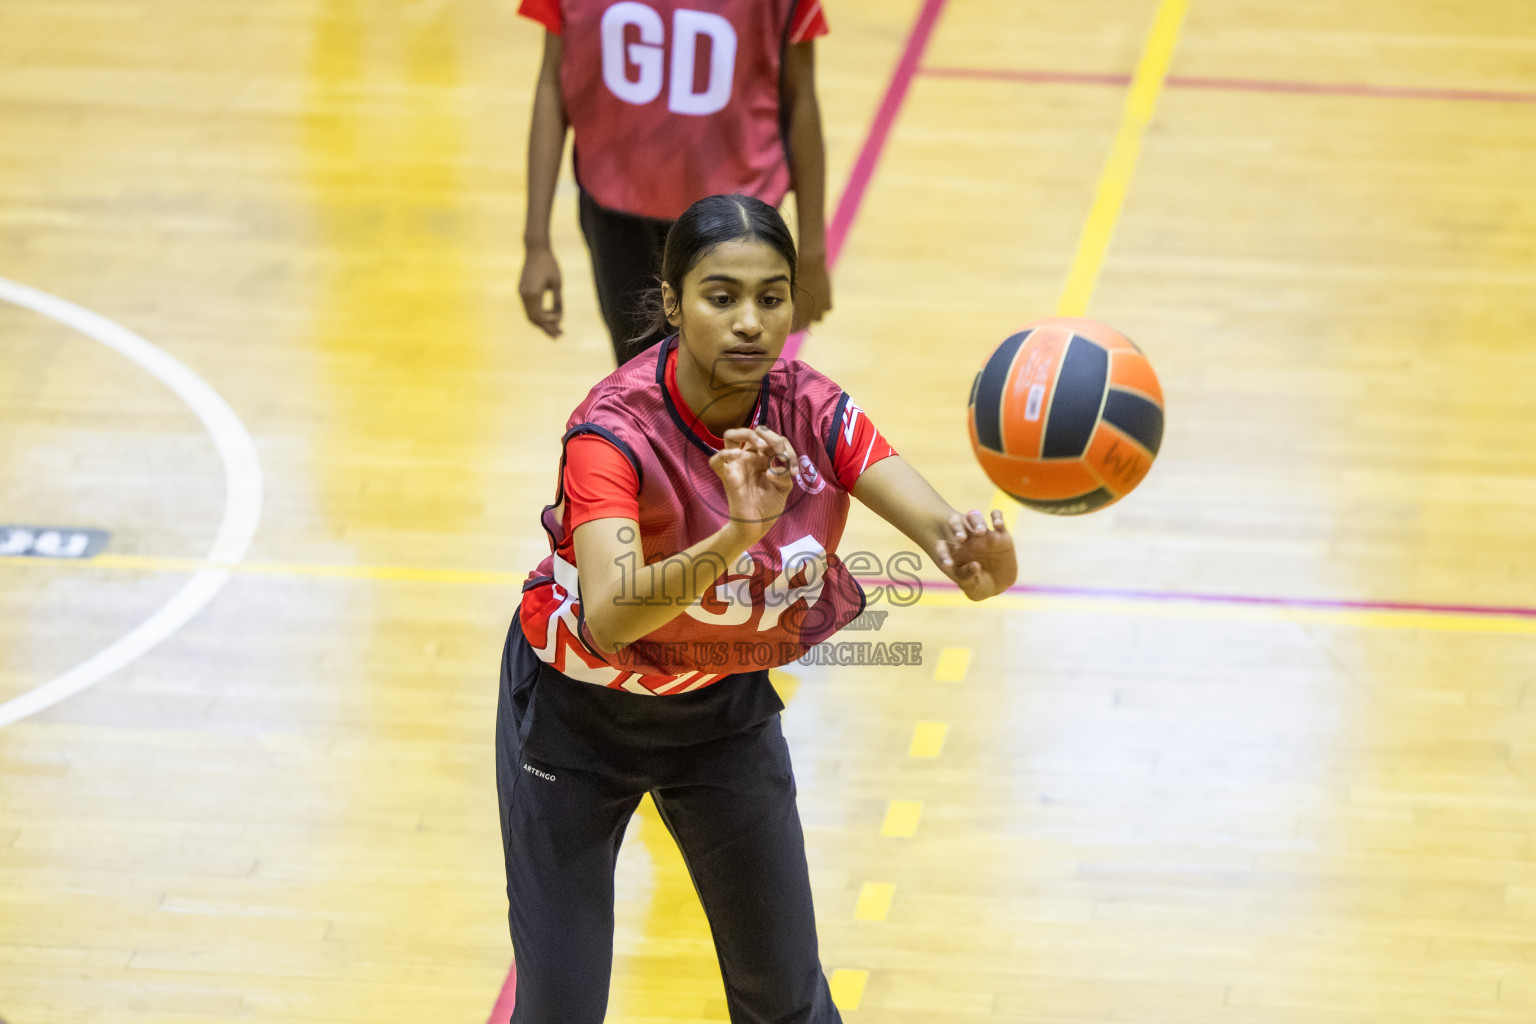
column 1166, row 596
column 1238, row 85
column 837, row 232
column 874, row 144
column 502, row 1011
column 1020, row 75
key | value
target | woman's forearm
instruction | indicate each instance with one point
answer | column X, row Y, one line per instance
column 807, row 150
column 903, row 497
column 624, row 600
column 546, row 145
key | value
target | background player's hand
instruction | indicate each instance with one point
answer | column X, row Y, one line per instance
column 541, row 277
column 981, row 560
column 758, row 468
column 813, row 294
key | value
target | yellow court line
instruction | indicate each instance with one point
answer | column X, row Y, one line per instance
column 1115, row 179
column 875, row 900
column 953, row 662
column 928, row 739
column 387, row 573
column 785, row 683
column 901, row 818
column 848, row 988
column 1176, row 608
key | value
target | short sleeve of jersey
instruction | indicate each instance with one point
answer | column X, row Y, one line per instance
column 810, row 22
column 856, row 445
column 547, row 13
column 600, row 483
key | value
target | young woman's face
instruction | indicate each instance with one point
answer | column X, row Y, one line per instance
column 735, row 311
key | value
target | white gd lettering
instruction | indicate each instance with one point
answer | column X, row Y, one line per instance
column 648, row 57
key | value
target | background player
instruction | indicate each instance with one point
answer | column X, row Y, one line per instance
column 701, row 499
column 670, row 104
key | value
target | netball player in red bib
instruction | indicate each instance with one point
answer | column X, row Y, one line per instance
column 669, row 101
column 702, row 493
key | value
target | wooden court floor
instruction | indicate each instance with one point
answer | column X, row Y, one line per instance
column 1255, row 746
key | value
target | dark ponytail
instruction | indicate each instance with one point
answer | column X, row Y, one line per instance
column 704, row 225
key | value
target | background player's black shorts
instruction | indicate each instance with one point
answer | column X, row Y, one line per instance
column 626, row 267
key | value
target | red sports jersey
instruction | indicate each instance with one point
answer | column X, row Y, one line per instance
column 759, row 615
column 600, row 482
column 670, row 102
column 809, row 22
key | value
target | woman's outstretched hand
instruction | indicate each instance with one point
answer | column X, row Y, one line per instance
column 757, row 467
column 981, row 560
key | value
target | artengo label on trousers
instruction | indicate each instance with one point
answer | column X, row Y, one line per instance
column 51, row 541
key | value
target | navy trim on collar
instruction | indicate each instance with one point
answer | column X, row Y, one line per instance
column 666, row 398
column 764, row 393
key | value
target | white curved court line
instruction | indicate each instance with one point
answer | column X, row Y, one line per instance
column 242, row 497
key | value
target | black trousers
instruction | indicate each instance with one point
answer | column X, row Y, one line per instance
column 626, row 266
column 572, row 762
